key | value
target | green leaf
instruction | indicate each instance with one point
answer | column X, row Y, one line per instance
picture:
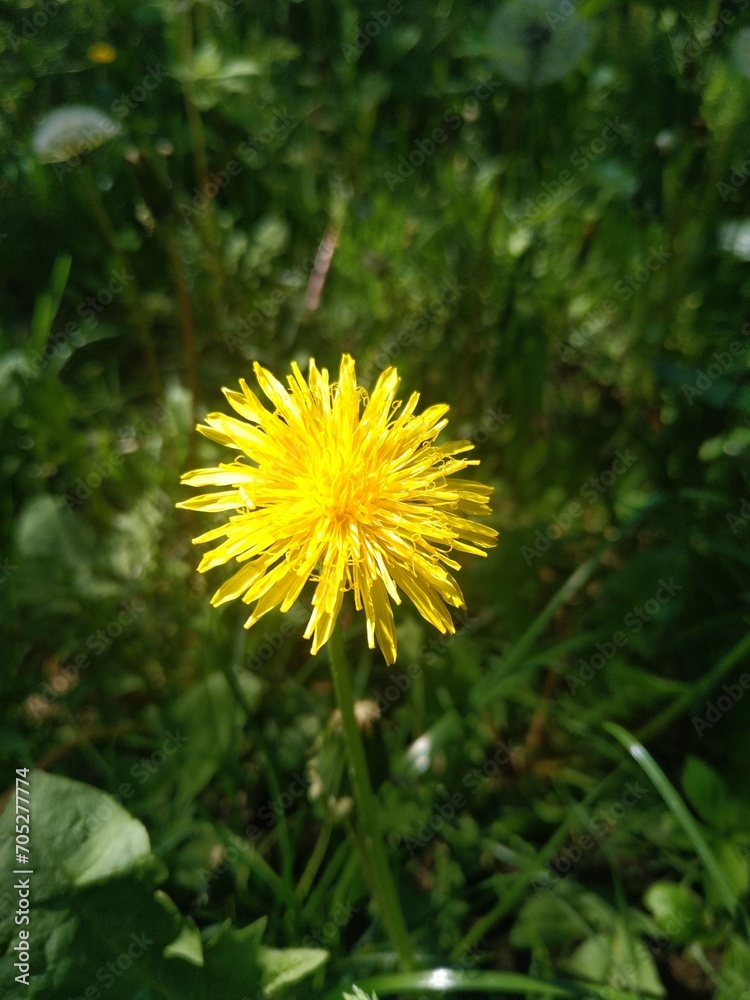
column 92, row 886
column 677, row 910
column 98, row 921
column 359, row 994
column 617, row 961
column 705, row 791
column 592, row 959
column 733, row 865
column 188, row 944
column 231, row 960
column 287, row 967
column 239, row 67
column 81, row 837
column 47, row 305
column 546, row 919
column 58, row 556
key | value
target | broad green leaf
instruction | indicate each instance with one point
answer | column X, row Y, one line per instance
column 99, row 924
column 80, row 835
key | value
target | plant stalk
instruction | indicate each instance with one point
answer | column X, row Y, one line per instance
column 370, row 841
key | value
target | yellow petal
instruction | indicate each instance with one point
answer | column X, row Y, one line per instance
column 349, row 492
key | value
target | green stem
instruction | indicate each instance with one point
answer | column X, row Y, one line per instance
column 200, row 154
column 316, row 859
column 370, row 842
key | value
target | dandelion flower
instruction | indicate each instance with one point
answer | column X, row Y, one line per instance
column 533, row 42
column 101, row 52
column 343, row 489
column 71, row 131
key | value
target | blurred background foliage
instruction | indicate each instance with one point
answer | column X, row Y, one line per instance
column 539, row 212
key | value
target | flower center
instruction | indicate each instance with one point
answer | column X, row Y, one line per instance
column 346, row 494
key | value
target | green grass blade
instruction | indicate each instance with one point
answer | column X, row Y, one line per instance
column 674, row 802
column 701, row 689
column 47, row 305
column 448, row 981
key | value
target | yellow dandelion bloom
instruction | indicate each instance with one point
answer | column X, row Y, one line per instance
column 348, row 491
column 101, row 52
